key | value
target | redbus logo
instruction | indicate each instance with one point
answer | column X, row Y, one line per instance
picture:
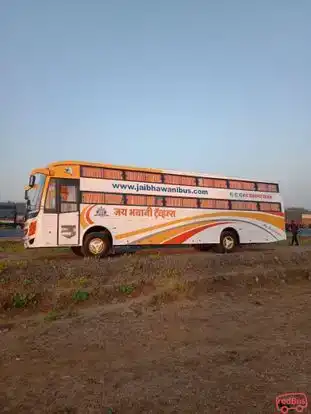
column 295, row 401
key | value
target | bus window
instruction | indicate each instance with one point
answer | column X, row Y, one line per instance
column 98, row 172
column 153, row 178
column 179, row 180
column 136, row 200
column 188, row 181
column 181, row 202
column 270, row 207
column 143, row 176
column 68, row 198
column 243, row 205
column 92, row 172
column 216, row 204
column 273, row 188
column 212, row 182
column 101, row 198
column 173, row 202
column 152, row 201
column 269, row 188
column 172, row 179
column 159, row 201
column 113, row 174
column 242, row 185
column 50, row 201
column 190, row 202
column 114, row 199
column 93, row 198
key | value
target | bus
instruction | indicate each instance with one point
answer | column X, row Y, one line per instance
column 93, row 208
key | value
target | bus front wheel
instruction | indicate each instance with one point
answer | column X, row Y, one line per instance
column 96, row 245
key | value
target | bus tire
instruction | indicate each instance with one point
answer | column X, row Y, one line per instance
column 77, row 250
column 228, row 242
column 96, row 244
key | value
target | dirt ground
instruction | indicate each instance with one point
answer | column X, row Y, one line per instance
column 177, row 332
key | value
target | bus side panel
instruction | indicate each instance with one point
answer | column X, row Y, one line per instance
column 152, row 225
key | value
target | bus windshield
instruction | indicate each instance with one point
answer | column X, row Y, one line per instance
column 34, row 194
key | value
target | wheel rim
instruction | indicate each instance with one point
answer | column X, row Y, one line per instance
column 228, row 242
column 97, row 246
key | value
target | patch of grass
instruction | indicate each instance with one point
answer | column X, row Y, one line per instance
column 11, row 246
column 21, row 264
column 17, row 264
column 80, row 296
column 22, row 300
column 69, row 278
column 171, row 273
column 60, row 284
column 126, row 289
column 3, row 267
column 162, row 298
column 53, row 315
column 303, row 240
column 83, row 281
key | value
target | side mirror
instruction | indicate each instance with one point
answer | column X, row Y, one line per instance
column 32, row 180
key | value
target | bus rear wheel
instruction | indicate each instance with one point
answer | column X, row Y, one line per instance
column 228, row 242
column 96, row 245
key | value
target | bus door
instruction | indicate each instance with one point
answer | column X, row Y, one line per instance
column 68, row 212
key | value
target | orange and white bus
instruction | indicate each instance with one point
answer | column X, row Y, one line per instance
column 95, row 207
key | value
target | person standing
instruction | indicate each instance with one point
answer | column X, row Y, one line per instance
column 294, row 229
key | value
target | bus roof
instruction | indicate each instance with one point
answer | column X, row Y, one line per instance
column 153, row 170
column 102, row 165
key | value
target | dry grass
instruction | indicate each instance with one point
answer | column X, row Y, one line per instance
column 50, row 284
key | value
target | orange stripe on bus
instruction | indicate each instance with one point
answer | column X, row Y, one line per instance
column 160, row 237
column 273, row 219
column 83, row 222
column 87, row 215
column 186, row 235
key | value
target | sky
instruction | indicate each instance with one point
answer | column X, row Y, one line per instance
column 215, row 86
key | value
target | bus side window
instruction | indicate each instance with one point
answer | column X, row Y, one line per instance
column 50, row 201
column 68, row 198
